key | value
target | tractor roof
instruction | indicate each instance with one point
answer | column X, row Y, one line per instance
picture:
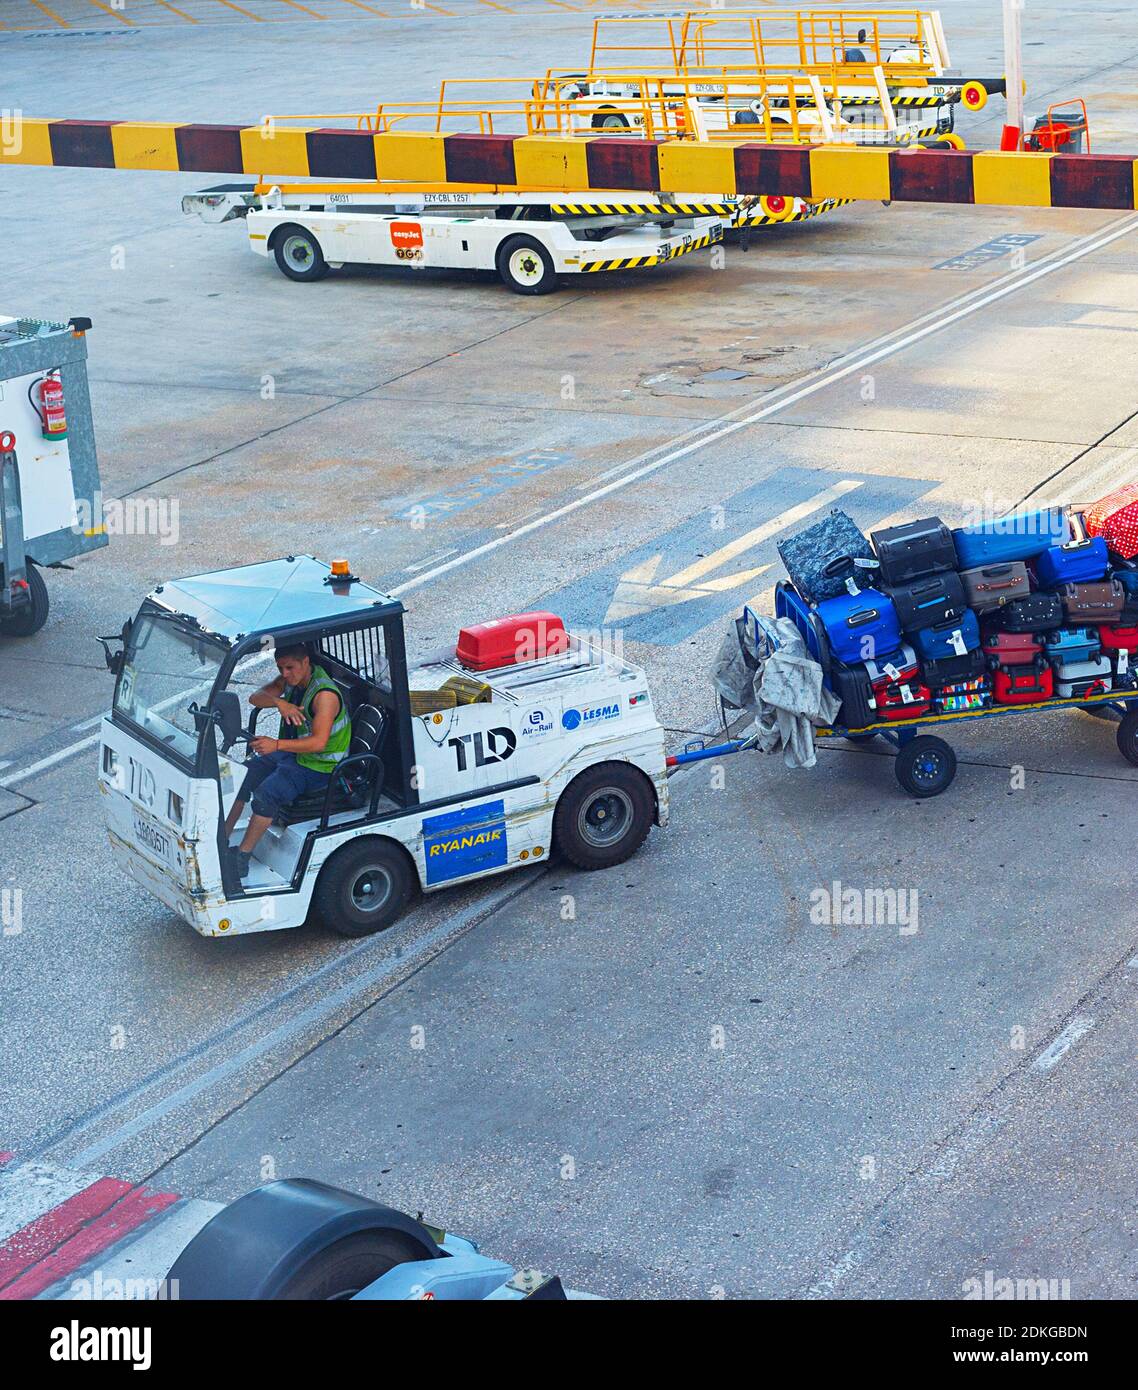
column 276, row 596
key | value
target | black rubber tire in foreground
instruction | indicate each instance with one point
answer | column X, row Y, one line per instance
column 29, row 618
column 363, row 887
column 298, row 254
column 925, row 766
column 347, row 1267
column 1127, row 736
column 604, row 815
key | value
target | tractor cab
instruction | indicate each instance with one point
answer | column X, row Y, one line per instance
column 453, row 773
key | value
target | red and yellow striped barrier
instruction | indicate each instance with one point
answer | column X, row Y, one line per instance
column 562, row 164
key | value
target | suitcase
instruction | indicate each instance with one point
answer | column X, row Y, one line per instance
column 938, row 598
column 1067, row 644
column 1021, row 536
column 822, row 558
column 1012, row 648
column 1115, row 519
column 1072, row 563
column 1119, row 638
column 989, row 586
column 861, row 627
column 950, row 670
column 788, row 604
column 902, row 666
column 1124, row 672
column 1036, row 613
column 911, row 551
column 1128, row 578
column 1100, row 602
column 851, row 685
column 1129, row 615
column 901, row 699
column 965, row 695
column 954, row 638
column 1023, row 685
column 1076, row 678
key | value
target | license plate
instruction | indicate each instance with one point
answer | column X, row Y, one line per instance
column 155, row 839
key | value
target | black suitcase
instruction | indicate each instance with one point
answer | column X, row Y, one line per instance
column 954, row 670
column 1036, row 613
column 851, row 685
column 937, row 598
column 825, row 557
column 914, row 550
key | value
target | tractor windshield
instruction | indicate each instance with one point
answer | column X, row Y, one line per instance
column 167, row 667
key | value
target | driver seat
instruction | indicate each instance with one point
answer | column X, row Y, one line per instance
column 352, row 787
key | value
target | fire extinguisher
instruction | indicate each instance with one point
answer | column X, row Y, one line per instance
column 53, row 417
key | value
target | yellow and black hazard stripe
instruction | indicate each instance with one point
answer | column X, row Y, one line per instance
column 651, row 209
column 945, row 99
column 576, row 166
column 634, row 262
column 744, row 218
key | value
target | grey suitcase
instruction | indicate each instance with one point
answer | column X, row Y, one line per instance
column 991, row 586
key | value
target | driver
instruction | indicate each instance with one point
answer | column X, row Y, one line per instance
column 309, row 702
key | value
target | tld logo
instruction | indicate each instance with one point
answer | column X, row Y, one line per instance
column 499, row 745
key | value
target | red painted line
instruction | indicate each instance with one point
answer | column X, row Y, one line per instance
column 6, row 1157
column 106, row 1230
column 49, row 1231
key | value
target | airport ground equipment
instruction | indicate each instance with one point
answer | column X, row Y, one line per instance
column 298, row 1239
column 565, row 753
column 50, row 503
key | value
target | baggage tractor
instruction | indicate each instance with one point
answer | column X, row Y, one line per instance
column 901, row 699
column 911, row 551
column 824, row 559
column 989, row 586
column 938, row 598
column 862, row 626
column 1072, row 563
column 902, row 666
column 1012, row 648
column 964, row 695
column 851, row 685
column 1023, row 685
column 1036, row 613
column 954, row 638
column 1068, row 644
column 950, row 670
column 1115, row 519
column 1021, row 536
column 1100, row 602
column 1078, row 678
column 1119, row 638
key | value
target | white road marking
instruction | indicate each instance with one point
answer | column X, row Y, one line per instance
column 27, row 1190
column 50, row 761
column 1054, row 1053
column 920, row 328
column 148, row 1258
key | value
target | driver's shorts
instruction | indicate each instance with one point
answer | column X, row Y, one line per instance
column 275, row 780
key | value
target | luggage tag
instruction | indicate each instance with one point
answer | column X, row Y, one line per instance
column 1123, row 661
column 852, row 586
column 892, row 672
column 907, row 696
column 958, row 644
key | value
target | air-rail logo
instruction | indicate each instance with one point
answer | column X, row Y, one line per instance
column 406, row 234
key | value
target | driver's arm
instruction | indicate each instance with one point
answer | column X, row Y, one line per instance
column 325, row 707
column 268, row 695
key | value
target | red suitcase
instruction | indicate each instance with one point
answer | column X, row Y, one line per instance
column 1115, row 518
column 901, row 699
column 1023, row 685
column 1012, row 648
column 1119, row 638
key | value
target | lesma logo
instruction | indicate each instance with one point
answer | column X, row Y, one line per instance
column 590, row 714
column 406, row 234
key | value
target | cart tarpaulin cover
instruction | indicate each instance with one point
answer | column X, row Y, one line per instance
column 767, row 671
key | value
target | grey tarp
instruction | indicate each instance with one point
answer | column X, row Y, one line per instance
column 770, row 674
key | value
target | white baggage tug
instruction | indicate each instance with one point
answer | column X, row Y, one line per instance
column 560, row 749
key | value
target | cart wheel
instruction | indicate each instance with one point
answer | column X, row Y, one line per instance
column 925, row 766
column 298, row 254
column 363, row 888
column 1128, row 736
column 32, row 616
column 525, row 266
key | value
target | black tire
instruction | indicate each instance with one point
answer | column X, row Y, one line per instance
column 603, row 816
column 298, row 254
column 348, row 1266
column 925, row 766
column 363, row 888
column 525, row 266
column 1127, row 736
column 610, row 120
column 28, row 619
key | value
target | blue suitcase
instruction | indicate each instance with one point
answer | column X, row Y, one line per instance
column 1072, row 563
column 1021, row 536
column 1071, row 644
column 957, row 637
column 862, row 626
column 1128, row 579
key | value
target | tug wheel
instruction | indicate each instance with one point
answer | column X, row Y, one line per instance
column 525, row 266
column 603, row 816
column 29, row 618
column 298, row 254
column 363, row 887
column 925, row 766
column 1127, row 736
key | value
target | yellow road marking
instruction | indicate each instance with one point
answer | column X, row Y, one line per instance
column 495, row 6
column 167, row 6
column 298, row 6
column 247, row 13
column 359, row 4
column 100, row 6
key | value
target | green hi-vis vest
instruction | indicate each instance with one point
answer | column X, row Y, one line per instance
column 339, row 740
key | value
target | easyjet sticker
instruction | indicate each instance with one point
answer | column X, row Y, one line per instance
column 406, row 234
